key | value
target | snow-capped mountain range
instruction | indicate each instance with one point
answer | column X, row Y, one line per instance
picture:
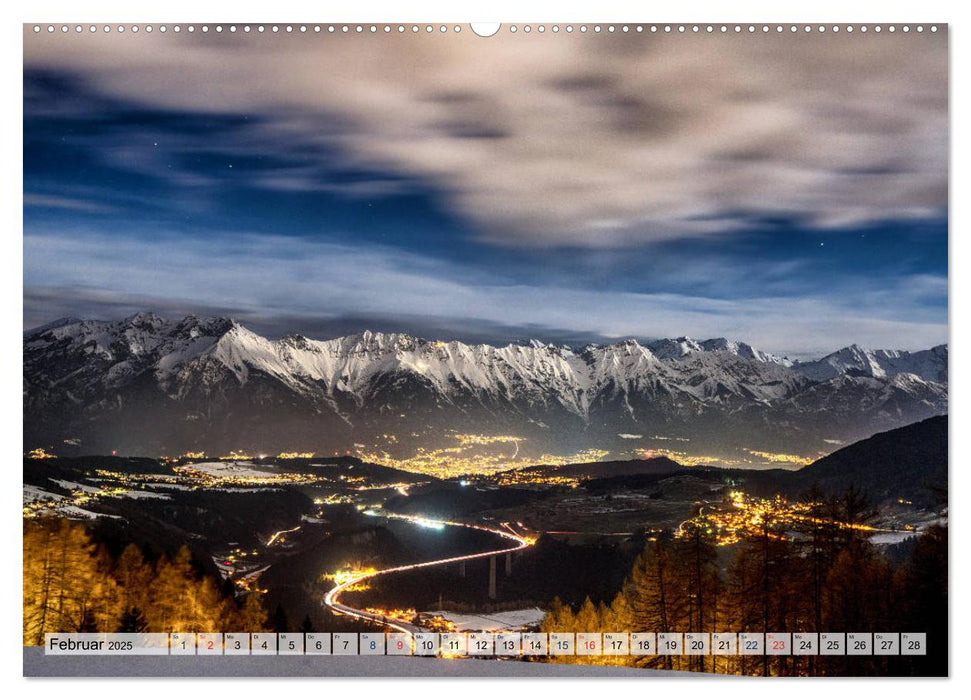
column 148, row 385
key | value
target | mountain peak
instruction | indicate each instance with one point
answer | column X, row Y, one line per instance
column 673, row 348
column 58, row 323
column 144, row 319
column 216, row 378
column 929, row 365
column 378, row 340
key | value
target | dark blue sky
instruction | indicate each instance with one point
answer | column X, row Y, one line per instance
column 455, row 215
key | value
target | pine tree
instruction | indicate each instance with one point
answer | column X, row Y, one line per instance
column 64, row 588
column 620, row 615
column 70, row 584
column 133, row 620
column 586, row 619
column 280, row 621
column 921, row 586
column 696, row 562
column 251, row 617
column 88, row 622
column 134, row 578
column 307, row 625
column 656, row 596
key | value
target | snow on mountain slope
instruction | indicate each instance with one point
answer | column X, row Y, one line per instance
column 214, row 374
column 352, row 364
column 930, row 365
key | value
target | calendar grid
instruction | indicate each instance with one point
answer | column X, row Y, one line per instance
column 490, row 644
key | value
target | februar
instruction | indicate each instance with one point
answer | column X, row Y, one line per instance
column 75, row 644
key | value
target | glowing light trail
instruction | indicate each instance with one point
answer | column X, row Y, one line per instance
column 331, row 598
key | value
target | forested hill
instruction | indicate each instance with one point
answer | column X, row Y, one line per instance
column 909, row 463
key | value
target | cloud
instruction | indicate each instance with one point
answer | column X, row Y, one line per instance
column 587, row 141
column 46, row 201
column 275, row 281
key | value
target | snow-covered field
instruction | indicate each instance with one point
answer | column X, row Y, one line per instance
column 227, row 470
column 75, row 513
column 166, row 485
column 493, row 622
column 892, row 537
column 142, row 494
column 73, row 486
column 38, row 501
column 237, row 489
column 33, row 494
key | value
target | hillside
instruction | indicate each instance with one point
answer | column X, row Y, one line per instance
column 908, row 463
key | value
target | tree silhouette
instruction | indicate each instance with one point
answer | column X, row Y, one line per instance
column 133, row 620
column 280, row 621
column 307, row 625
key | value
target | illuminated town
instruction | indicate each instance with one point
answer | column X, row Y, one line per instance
column 744, row 516
column 195, row 476
column 694, row 460
column 464, row 459
column 353, row 578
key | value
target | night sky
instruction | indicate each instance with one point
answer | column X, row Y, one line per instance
column 788, row 191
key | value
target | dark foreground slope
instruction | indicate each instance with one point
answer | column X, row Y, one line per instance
column 908, row 463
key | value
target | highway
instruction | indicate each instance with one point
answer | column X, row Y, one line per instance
column 331, row 599
column 277, row 535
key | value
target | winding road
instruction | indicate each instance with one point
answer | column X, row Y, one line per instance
column 331, row 599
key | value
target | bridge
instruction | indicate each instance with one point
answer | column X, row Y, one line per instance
column 332, row 598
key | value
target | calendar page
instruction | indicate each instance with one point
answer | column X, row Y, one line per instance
column 518, row 349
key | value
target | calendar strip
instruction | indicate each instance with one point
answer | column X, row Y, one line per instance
column 490, row 644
